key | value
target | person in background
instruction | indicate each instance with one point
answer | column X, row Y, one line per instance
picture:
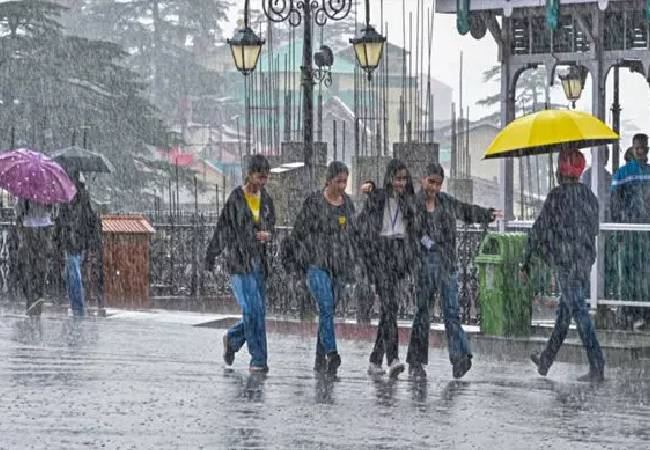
column 630, row 191
column 630, row 198
column 243, row 231
column 564, row 236
column 76, row 227
column 34, row 230
column 439, row 213
column 325, row 227
column 389, row 247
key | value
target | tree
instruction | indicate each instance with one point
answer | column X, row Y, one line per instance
column 158, row 37
column 52, row 84
column 530, row 94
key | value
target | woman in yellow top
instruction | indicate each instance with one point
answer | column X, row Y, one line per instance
column 243, row 231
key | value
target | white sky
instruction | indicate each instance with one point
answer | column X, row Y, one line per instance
column 480, row 55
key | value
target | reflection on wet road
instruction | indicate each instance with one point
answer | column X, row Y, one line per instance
column 115, row 383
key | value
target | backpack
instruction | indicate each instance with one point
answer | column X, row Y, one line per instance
column 293, row 254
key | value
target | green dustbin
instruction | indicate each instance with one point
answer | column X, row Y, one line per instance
column 506, row 303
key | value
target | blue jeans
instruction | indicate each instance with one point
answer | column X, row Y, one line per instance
column 324, row 289
column 74, row 283
column 572, row 303
column 249, row 290
column 432, row 279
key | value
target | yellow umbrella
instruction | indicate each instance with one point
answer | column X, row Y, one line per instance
column 550, row 131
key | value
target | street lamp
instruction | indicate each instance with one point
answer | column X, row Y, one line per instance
column 573, row 82
column 369, row 47
column 295, row 12
column 245, row 46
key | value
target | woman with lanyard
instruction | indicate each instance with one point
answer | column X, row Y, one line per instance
column 387, row 231
column 325, row 229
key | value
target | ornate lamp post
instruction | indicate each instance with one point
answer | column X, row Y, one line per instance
column 369, row 47
column 573, row 82
column 245, row 46
column 296, row 12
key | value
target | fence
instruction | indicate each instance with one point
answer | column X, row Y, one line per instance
column 177, row 251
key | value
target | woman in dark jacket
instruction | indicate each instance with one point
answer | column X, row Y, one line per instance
column 243, row 230
column 325, row 228
column 438, row 214
column 387, row 234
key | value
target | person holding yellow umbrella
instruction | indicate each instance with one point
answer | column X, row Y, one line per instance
column 564, row 233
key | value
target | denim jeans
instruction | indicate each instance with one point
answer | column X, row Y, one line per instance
column 249, row 289
column 326, row 290
column 432, row 279
column 572, row 303
column 74, row 282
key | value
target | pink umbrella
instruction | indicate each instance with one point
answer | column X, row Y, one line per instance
column 33, row 176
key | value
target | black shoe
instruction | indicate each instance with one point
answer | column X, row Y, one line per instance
column 258, row 369
column 592, row 377
column 321, row 363
column 333, row 363
column 461, row 366
column 228, row 356
column 417, row 371
column 542, row 369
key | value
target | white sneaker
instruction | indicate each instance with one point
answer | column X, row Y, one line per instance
column 375, row 369
column 396, row 367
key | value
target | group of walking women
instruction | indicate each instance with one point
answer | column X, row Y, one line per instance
column 397, row 233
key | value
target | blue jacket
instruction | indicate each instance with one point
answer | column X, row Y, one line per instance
column 631, row 193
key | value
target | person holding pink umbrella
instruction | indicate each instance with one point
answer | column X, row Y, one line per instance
column 38, row 182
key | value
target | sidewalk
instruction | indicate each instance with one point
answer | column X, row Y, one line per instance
column 621, row 348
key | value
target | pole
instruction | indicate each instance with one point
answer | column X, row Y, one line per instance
column 335, row 155
column 616, row 121
column 307, row 97
column 343, row 143
column 247, row 116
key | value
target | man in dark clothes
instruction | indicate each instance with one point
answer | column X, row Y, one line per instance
column 389, row 248
column 438, row 213
column 564, row 236
column 243, row 230
column 630, row 195
column 76, row 230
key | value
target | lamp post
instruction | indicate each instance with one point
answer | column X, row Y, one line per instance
column 369, row 47
column 573, row 82
column 296, row 12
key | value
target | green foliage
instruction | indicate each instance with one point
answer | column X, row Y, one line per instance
column 531, row 89
column 156, row 35
column 52, row 84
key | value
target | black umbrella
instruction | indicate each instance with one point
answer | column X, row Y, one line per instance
column 78, row 159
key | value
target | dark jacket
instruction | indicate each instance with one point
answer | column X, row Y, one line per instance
column 235, row 233
column 564, row 234
column 630, row 194
column 370, row 223
column 77, row 225
column 440, row 225
column 326, row 243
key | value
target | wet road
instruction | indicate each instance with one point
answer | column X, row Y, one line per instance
column 121, row 383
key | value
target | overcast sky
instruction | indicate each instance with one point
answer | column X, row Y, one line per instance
column 480, row 55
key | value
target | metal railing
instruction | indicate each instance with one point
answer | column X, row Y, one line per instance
column 177, row 253
column 621, row 275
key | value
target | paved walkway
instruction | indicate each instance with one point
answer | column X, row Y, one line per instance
column 133, row 381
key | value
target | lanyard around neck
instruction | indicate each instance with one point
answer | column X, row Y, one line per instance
column 393, row 220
